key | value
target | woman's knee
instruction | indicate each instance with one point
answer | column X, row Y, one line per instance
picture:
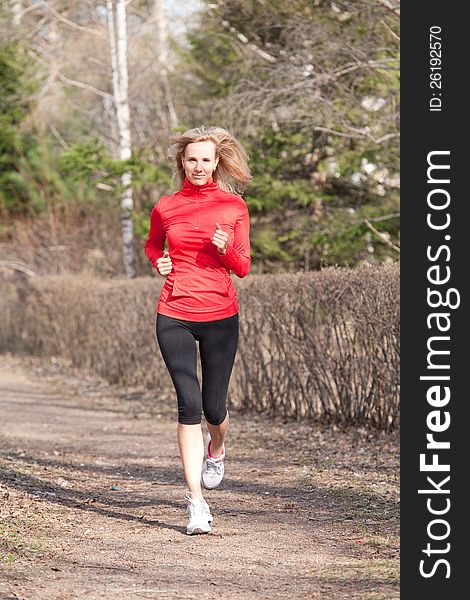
column 215, row 415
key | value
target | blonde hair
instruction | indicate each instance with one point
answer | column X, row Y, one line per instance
column 232, row 173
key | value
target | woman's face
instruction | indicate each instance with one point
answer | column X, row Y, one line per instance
column 199, row 162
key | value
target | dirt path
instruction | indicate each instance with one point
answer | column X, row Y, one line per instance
column 92, row 506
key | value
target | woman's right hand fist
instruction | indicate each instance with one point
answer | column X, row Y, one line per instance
column 164, row 264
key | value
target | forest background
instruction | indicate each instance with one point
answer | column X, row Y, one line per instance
column 91, row 90
column 310, row 87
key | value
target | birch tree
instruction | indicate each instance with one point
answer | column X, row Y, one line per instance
column 117, row 35
column 86, row 47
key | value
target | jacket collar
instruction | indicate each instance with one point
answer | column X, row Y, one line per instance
column 201, row 192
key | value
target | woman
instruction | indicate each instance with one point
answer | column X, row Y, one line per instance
column 207, row 226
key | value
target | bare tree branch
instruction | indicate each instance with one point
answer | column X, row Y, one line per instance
column 57, row 135
column 244, row 40
column 384, row 217
column 64, row 79
column 393, row 7
column 397, row 37
column 17, row 265
column 381, row 236
column 70, row 23
column 29, row 9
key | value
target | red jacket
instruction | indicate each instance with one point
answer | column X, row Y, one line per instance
column 199, row 287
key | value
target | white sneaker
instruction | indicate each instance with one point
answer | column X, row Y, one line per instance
column 209, row 516
column 199, row 515
column 213, row 468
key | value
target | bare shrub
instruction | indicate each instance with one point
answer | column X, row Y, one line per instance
column 312, row 345
column 322, row 344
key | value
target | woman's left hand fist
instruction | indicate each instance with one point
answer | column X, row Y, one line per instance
column 220, row 238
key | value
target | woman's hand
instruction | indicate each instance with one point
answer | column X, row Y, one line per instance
column 220, row 238
column 164, row 264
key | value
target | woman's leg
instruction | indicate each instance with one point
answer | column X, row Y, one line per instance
column 191, row 446
column 218, row 342
column 178, row 347
column 218, row 436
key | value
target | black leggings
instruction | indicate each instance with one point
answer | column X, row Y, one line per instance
column 218, row 341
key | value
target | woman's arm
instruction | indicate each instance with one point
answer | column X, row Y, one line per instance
column 155, row 244
column 237, row 255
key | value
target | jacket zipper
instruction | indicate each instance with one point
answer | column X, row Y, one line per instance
column 197, row 209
